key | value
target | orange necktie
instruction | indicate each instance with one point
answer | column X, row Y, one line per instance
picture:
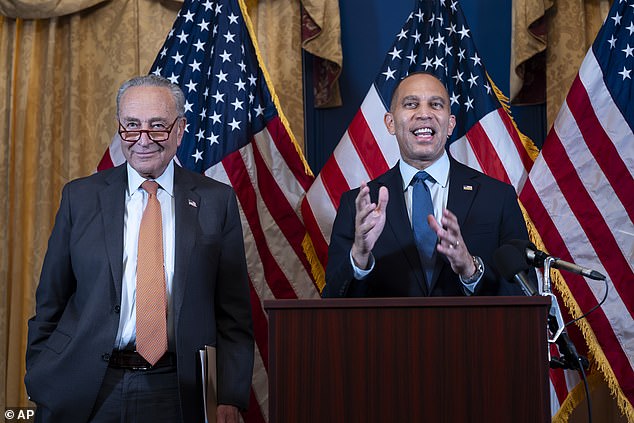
column 151, row 301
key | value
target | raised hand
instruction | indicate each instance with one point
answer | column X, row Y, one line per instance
column 368, row 224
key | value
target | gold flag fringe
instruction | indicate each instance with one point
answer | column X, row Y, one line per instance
column 596, row 355
column 267, row 78
column 317, row 270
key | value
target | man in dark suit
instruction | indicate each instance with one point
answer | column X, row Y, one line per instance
column 81, row 360
column 373, row 247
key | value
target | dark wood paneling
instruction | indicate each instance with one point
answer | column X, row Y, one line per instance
column 408, row 360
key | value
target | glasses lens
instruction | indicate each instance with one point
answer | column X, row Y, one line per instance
column 130, row 135
column 159, row 135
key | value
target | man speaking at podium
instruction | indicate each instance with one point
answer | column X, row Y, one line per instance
column 429, row 225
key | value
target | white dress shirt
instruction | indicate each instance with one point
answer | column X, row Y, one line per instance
column 136, row 200
column 439, row 190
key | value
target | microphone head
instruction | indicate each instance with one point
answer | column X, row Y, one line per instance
column 530, row 252
column 509, row 261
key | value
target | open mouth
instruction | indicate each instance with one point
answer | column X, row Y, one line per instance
column 424, row 132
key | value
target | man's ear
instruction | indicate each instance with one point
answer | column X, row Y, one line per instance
column 452, row 124
column 388, row 119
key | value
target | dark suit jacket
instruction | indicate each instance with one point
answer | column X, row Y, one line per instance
column 78, row 297
column 488, row 214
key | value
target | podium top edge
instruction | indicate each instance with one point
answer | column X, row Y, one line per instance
column 407, row 302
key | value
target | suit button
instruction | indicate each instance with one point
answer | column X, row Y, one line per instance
column 116, row 309
column 106, row 357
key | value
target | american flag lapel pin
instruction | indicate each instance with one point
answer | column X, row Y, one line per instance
column 467, row 188
column 192, row 203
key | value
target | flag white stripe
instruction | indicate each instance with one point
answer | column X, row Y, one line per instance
column 596, row 185
column 349, row 163
column 581, row 251
column 277, row 243
column 260, row 384
column 278, row 167
column 254, row 262
column 374, row 112
column 114, row 149
column 507, row 152
column 461, row 150
column 322, row 207
column 609, row 115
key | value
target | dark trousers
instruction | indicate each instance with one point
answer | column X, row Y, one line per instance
column 138, row 396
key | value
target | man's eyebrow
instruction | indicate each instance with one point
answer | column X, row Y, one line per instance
column 437, row 98
column 411, row 97
column 157, row 119
column 430, row 98
column 128, row 119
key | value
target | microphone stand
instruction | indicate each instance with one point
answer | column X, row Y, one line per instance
column 569, row 358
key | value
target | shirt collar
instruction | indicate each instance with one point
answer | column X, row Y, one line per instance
column 165, row 180
column 439, row 170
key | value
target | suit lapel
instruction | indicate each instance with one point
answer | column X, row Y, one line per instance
column 112, row 202
column 399, row 223
column 462, row 190
column 186, row 208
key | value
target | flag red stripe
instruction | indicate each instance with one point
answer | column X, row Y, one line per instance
column 515, row 136
column 105, row 162
column 578, row 287
column 282, row 212
column 485, row 153
column 602, row 148
column 312, row 227
column 554, row 242
column 366, row 146
column 239, row 178
column 590, row 218
column 558, row 379
column 260, row 326
column 287, row 150
column 334, row 182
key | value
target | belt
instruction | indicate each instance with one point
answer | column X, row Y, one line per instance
column 132, row 360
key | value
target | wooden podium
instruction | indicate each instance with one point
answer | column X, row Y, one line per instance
column 480, row 359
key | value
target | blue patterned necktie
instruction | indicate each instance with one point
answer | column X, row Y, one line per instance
column 423, row 234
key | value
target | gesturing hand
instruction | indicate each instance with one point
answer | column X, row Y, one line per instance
column 368, row 224
column 451, row 244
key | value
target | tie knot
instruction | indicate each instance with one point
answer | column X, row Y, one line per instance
column 421, row 176
column 150, row 187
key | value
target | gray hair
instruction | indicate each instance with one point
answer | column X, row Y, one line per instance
column 155, row 81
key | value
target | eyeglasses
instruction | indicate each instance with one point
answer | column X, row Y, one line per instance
column 153, row 134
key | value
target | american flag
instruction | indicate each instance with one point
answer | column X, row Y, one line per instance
column 580, row 195
column 437, row 39
column 236, row 134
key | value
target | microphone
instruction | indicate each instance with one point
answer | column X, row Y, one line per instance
column 512, row 266
column 535, row 257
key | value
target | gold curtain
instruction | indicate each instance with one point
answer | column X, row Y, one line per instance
column 62, row 62
column 277, row 29
column 550, row 39
column 562, row 31
column 280, row 31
